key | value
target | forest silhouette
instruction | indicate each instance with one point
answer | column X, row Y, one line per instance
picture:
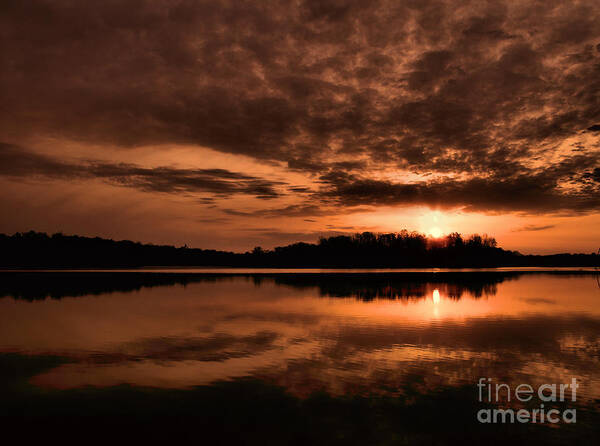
column 38, row 285
column 403, row 249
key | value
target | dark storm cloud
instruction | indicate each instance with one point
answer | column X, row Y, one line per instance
column 16, row 162
column 477, row 92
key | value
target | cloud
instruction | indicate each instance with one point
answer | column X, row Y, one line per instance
column 473, row 97
column 17, row 162
column 592, row 176
column 559, row 188
column 528, row 228
column 293, row 210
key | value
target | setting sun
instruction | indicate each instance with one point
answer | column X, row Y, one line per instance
column 435, row 232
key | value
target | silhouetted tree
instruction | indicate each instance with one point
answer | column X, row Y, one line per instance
column 366, row 249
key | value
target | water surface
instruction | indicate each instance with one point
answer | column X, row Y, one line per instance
column 339, row 332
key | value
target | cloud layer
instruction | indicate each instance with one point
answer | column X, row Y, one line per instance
column 486, row 106
column 16, row 162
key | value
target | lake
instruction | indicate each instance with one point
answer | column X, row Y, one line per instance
column 420, row 341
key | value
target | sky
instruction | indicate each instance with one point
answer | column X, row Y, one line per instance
column 232, row 124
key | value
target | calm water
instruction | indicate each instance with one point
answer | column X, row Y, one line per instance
column 342, row 333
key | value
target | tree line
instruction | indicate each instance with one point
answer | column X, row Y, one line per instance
column 402, row 249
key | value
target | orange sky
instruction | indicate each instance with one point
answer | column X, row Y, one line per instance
column 222, row 125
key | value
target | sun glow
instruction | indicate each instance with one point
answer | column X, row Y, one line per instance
column 435, row 232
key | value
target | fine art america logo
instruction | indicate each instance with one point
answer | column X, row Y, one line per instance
column 490, row 392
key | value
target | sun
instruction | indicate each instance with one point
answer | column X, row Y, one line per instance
column 433, row 223
column 435, row 232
